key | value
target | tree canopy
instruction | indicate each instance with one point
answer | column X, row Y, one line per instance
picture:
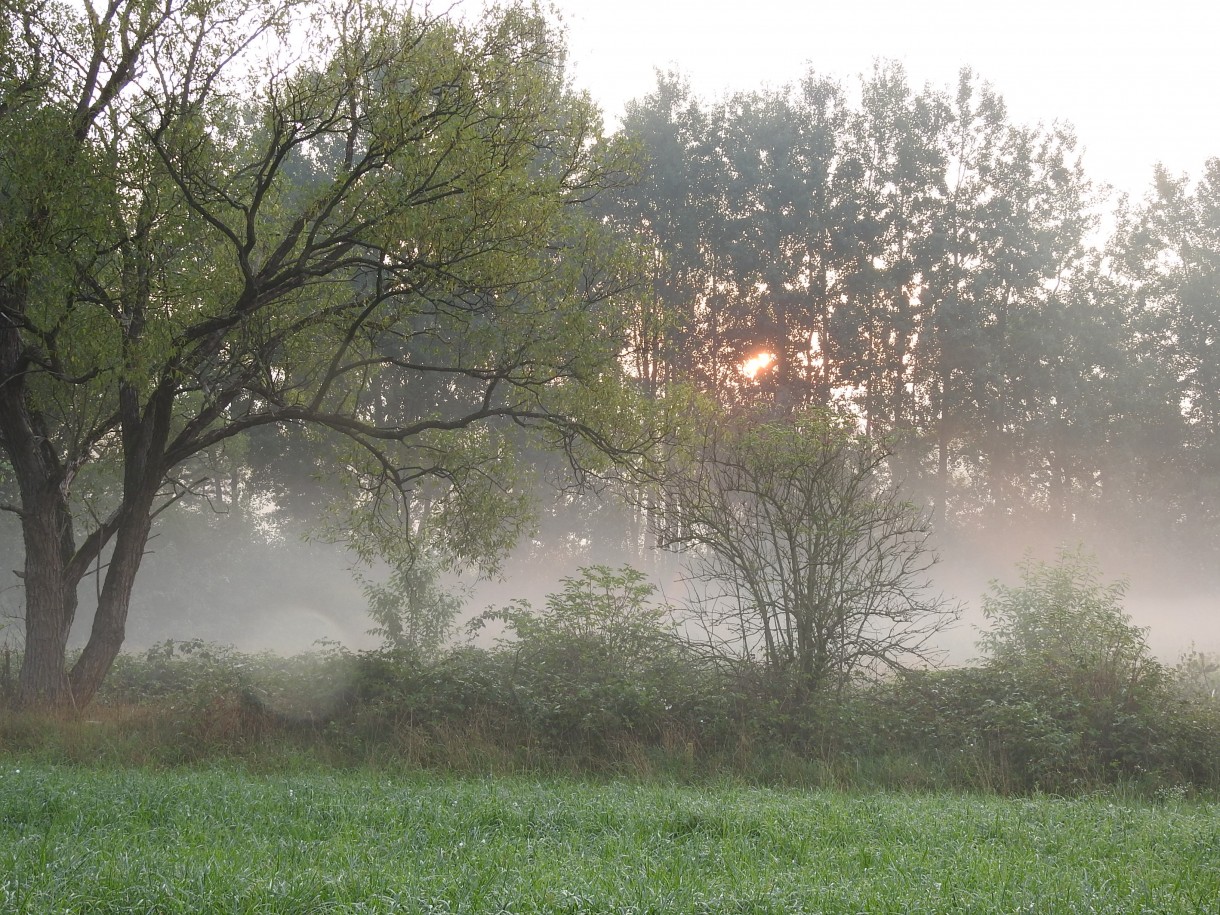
column 364, row 220
column 942, row 271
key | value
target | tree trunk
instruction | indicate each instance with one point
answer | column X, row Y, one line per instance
column 144, row 441
column 44, row 678
column 46, row 526
column 50, row 602
column 51, row 606
column 53, row 565
column 110, row 621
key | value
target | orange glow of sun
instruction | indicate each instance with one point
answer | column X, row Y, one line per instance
column 756, row 364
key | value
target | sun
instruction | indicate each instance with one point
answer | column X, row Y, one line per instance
column 757, row 363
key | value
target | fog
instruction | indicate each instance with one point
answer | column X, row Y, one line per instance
column 197, row 581
column 291, row 595
column 1167, row 595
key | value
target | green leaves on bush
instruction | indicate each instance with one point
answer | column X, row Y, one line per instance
column 1067, row 697
column 1064, row 628
column 598, row 662
column 1081, row 688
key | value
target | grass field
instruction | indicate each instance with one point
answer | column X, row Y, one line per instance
column 221, row 840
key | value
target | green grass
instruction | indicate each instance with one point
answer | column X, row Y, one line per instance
column 219, row 840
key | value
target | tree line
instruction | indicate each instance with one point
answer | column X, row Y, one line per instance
column 399, row 252
column 955, row 280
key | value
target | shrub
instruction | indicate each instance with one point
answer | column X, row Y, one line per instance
column 1079, row 694
column 599, row 663
column 172, row 672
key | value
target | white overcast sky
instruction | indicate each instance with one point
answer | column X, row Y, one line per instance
column 1139, row 80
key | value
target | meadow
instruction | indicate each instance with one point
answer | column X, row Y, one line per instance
column 223, row 838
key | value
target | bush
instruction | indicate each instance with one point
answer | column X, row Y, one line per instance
column 598, row 664
column 1067, row 698
column 174, row 673
column 598, row 681
column 1079, row 694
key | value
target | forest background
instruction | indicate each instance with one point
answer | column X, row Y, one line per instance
column 931, row 291
column 1040, row 354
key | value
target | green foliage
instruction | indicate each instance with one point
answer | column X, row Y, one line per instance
column 1079, row 687
column 207, row 699
column 1067, row 696
column 599, row 663
column 172, row 673
column 1062, row 622
column 391, row 690
column 505, row 710
column 412, row 611
column 1092, row 689
column 600, row 610
column 1197, row 675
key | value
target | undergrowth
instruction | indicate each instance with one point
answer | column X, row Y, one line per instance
column 474, row 712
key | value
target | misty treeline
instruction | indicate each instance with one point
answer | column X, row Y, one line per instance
column 383, row 272
column 1031, row 346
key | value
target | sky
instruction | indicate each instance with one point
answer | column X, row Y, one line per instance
column 1140, row 81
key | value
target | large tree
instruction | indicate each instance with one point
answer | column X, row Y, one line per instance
column 218, row 216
